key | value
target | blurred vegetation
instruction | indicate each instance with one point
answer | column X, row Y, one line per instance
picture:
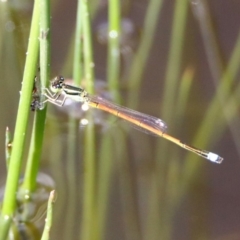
column 113, row 182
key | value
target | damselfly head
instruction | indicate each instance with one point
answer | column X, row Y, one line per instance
column 57, row 83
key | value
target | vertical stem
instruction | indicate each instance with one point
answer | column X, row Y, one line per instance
column 138, row 65
column 113, row 47
column 87, row 48
column 77, row 67
column 169, row 102
column 9, row 202
column 89, row 188
column 40, row 116
column 174, row 62
column 72, row 138
column 49, row 218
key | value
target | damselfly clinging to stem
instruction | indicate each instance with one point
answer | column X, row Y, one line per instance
column 151, row 124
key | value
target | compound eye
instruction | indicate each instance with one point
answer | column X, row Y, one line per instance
column 61, row 79
column 57, row 84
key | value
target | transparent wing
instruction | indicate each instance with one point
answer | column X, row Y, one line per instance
column 137, row 119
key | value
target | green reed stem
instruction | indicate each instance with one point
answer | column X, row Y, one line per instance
column 210, row 40
column 140, row 59
column 173, row 175
column 183, row 95
column 49, row 218
column 172, row 76
column 89, row 188
column 105, row 173
column 106, row 153
column 87, row 47
column 175, row 56
column 9, row 202
column 89, row 185
column 77, row 64
column 40, row 116
column 129, row 201
column 113, row 68
column 169, row 102
column 73, row 129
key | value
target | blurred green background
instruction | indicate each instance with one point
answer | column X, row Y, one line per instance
column 179, row 62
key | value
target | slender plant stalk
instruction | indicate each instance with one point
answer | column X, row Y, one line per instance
column 32, row 167
column 54, row 130
column 49, row 218
column 183, row 94
column 210, row 40
column 152, row 220
column 89, row 188
column 171, row 81
column 9, row 202
column 73, row 126
column 113, row 68
column 173, row 176
column 174, row 171
column 77, row 64
column 162, row 215
column 129, row 201
column 231, row 105
column 87, row 48
column 3, row 12
column 141, row 56
column 106, row 153
column 169, row 101
column 231, row 109
column 175, row 55
column 105, row 173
